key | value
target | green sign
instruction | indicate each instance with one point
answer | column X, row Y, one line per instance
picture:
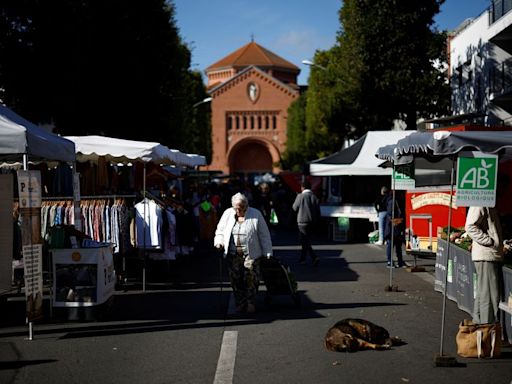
column 403, row 176
column 343, row 223
column 476, row 179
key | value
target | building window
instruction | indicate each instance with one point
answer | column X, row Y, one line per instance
column 237, row 122
column 252, row 122
column 228, row 123
column 259, row 122
column 245, row 122
column 274, row 122
column 267, row 122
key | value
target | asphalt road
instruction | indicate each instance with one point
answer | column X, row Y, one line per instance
column 182, row 329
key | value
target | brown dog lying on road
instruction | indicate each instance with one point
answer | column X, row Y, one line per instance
column 350, row 335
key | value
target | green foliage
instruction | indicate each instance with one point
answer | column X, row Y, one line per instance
column 326, row 111
column 117, row 68
column 384, row 66
column 390, row 49
column 296, row 150
column 196, row 135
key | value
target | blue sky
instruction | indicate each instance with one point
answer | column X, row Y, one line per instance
column 293, row 29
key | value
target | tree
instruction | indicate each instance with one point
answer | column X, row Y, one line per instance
column 326, row 111
column 391, row 48
column 196, row 137
column 115, row 67
column 384, row 66
column 296, row 151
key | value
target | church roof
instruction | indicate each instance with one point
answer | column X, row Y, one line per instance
column 290, row 87
column 253, row 54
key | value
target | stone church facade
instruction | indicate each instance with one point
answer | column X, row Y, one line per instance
column 251, row 91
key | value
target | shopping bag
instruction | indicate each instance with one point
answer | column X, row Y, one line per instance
column 478, row 340
column 273, row 217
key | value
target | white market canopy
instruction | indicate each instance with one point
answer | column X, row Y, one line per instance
column 19, row 136
column 196, row 160
column 359, row 158
column 89, row 148
column 189, row 159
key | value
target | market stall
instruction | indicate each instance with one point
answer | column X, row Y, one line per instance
column 352, row 178
column 20, row 142
column 444, row 144
column 460, row 281
column 106, row 150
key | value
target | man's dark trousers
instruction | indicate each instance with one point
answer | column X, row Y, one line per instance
column 305, row 231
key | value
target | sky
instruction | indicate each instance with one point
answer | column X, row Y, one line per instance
column 293, row 29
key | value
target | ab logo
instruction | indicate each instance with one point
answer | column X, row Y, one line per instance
column 478, row 174
column 476, row 180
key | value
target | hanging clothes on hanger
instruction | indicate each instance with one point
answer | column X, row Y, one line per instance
column 148, row 224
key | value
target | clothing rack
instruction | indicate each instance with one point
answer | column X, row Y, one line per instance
column 88, row 197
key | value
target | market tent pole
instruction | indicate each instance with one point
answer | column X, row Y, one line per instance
column 30, row 324
column 441, row 351
column 144, row 229
column 390, row 287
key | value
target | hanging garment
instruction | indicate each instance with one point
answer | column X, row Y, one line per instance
column 148, row 224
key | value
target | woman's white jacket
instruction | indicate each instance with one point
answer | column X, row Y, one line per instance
column 483, row 226
column 258, row 235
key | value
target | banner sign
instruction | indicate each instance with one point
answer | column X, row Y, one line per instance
column 476, row 179
column 33, row 275
column 403, row 176
column 29, row 189
column 461, row 274
column 29, row 193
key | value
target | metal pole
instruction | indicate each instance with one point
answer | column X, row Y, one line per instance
column 30, row 324
column 447, row 257
column 392, row 229
column 144, row 230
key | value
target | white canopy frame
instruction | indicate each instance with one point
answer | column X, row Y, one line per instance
column 90, row 148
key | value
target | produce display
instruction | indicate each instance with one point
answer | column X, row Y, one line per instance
column 458, row 236
column 461, row 238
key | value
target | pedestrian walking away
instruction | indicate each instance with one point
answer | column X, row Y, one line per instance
column 307, row 206
column 394, row 228
column 243, row 235
column 380, row 205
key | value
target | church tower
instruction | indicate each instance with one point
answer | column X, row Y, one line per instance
column 251, row 91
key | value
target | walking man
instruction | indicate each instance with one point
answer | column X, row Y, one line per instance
column 307, row 206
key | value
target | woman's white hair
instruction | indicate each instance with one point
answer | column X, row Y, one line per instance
column 239, row 198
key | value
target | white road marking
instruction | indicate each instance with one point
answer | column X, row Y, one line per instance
column 226, row 363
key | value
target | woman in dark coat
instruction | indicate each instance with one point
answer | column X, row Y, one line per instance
column 396, row 230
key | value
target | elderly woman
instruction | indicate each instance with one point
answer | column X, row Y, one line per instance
column 244, row 236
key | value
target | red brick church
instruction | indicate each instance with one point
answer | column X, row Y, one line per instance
column 251, row 91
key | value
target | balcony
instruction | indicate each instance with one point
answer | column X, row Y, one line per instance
column 498, row 9
column 500, row 24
